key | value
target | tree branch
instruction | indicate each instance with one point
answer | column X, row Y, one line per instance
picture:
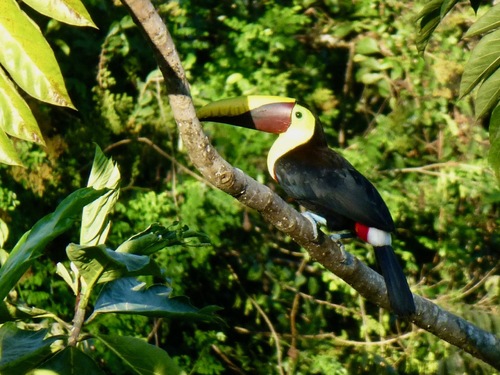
column 221, row 174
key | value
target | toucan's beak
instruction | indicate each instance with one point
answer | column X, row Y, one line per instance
column 272, row 114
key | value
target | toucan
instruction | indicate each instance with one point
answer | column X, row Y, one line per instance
column 319, row 179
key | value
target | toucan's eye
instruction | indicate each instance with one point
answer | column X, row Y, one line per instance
column 298, row 114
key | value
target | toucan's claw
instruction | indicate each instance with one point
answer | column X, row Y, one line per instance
column 315, row 220
column 341, row 236
column 338, row 242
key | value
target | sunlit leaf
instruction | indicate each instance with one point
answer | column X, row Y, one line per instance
column 129, row 296
column 484, row 60
column 141, row 357
column 72, row 12
column 33, row 242
column 4, row 233
column 95, row 223
column 29, row 60
column 489, row 21
column 494, row 156
column 68, row 361
column 8, row 153
column 97, row 264
column 367, row 46
column 9, row 312
column 488, row 95
column 16, row 118
column 22, row 350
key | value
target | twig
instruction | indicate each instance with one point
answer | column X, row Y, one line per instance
column 160, row 151
column 154, row 332
column 293, row 352
column 336, row 339
column 226, row 359
column 428, row 169
column 478, row 284
column 266, row 319
column 321, row 302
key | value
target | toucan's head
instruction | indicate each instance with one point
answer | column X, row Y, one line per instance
column 296, row 124
column 271, row 114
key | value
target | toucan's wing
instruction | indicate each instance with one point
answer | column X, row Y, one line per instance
column 326, row 183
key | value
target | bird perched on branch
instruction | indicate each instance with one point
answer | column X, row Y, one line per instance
column 320, row 179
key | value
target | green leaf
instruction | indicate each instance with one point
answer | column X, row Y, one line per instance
column 489, row 21
column 429, row 17
column 21, row 350
column 8, row 154
column 72, row 12
column 11, row 312
column 4, row 234
column 69, row 361
column 155, row 238
column 129, row 296
column 141, row 357
column 367, row 46
column 484, row 60
column 16, row 118
column 33, row 242
column 97, row 264
column 446, row 7
column 30, row 61
column 95, row 223
column 488, row 95
column 494, row 156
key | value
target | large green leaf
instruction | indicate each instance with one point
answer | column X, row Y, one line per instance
column 29, row 60
column 33, row 242
column 21, row 350
column 494, row 156
column 129, row 296
column 16, row 118
column 95, row 223
column 488, row 95
column 97, row 264
column 489, row 21
column 142, row 358
column 70, row 361
column 483, row 62
column 72, row 12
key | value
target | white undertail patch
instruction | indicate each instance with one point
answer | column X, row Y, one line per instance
column 377, row 237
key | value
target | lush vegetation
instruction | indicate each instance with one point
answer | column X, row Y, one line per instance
column 394, row 112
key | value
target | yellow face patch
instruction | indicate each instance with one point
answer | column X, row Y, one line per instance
column 300, row 132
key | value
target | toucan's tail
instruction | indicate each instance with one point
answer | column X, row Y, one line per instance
column 398, row 290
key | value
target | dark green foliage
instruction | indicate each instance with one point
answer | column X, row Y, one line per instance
column 392, row 111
